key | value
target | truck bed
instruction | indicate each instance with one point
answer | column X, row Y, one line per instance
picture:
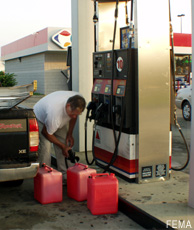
column 12, row 96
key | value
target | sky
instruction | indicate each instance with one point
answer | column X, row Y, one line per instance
column 20, row 18
column 181, row 7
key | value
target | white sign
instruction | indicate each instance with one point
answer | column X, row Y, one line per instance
column 119, row 64
column 62, row 38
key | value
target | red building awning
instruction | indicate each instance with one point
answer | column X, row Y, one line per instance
column 183, row 40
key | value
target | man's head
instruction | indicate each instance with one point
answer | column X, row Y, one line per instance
column 75, row 106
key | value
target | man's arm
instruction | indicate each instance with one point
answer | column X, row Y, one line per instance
column 55, row 141
column 69, row 138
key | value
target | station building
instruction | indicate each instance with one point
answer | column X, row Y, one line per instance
column 41, row 56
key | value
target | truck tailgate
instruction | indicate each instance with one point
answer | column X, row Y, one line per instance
column 14, row 135
column 14, row 139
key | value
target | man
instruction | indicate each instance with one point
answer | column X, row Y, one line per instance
column 57, row 114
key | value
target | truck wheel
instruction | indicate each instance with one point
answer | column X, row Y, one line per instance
column 186, row 109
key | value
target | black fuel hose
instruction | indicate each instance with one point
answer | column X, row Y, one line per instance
column 86, row 137
column 112, row 77
column 116, row 141
column 90, row 107
column 95, row 20
column 106, row 167
column 187, row 148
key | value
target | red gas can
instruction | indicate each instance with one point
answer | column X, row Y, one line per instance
column 48, row 187
column 102, row 194
column 77, row 177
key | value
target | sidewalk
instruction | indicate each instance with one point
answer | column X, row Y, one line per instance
column 166, row 201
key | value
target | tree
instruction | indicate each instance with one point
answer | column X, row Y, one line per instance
column 7, row 79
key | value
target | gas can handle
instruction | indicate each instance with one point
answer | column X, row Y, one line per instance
column 46, row 166
column 85, row 166
column 94, row 175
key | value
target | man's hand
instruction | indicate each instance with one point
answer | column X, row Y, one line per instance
column 65, row 150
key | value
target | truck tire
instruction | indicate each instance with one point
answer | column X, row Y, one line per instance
column 13, row 183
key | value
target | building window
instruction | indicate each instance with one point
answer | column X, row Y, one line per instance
column 183, row 64
column 183, row 76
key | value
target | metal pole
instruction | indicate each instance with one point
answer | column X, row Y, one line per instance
column 181, row 15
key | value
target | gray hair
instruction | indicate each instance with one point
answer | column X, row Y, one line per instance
column 77, row 101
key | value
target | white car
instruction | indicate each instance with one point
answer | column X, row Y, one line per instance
column 183, row 101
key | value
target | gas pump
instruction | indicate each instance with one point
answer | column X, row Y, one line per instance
column 118, row 113
column 124, row 137
column 124, row 109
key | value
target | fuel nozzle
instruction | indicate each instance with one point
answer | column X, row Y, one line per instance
column 91, row 107
column 100, row 111
column 72, row 157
